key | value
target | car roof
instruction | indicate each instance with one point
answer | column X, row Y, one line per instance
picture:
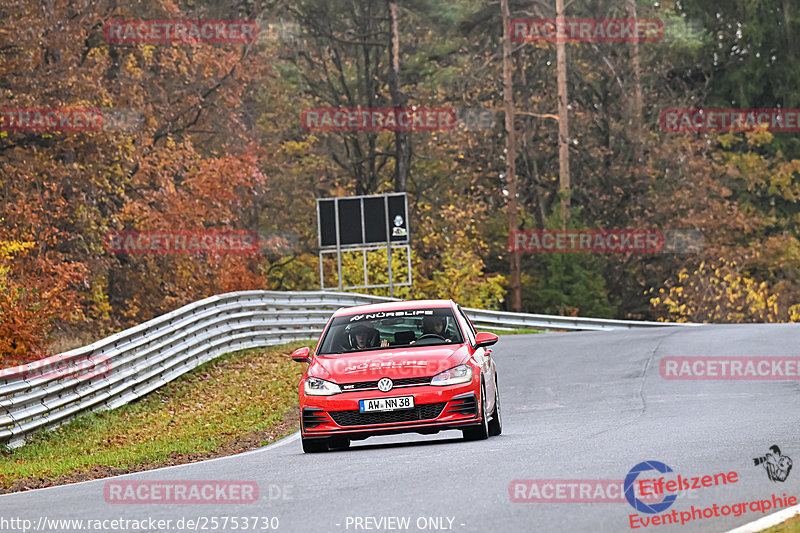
column 394, row 306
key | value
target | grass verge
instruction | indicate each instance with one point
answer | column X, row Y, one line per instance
column 512, row 332
column 790, row 526
column 237, row 402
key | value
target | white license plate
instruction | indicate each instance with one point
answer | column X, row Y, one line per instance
column 386, row 404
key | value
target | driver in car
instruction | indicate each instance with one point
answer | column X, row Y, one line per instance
column 362, row 337
column 436, row 325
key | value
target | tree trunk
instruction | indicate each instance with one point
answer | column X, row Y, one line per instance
column 531, row 166
column 790, row 45
column 402, row 138
column 635, row 123
column 563, row 126
column 511, row 156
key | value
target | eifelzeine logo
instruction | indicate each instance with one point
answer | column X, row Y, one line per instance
column 52, row 119
column 180, row 31
column 635, row 501
column 592, row 30
column 378, row 119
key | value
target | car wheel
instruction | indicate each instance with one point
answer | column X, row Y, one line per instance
column 496, row 423
column 314, row 445
column 480, row 432
column 339, row 443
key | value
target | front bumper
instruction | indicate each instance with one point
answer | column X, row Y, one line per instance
column 435, row 409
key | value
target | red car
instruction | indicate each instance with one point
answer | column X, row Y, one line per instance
column 398, row 367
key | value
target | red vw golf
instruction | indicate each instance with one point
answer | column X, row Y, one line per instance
column 398, row 367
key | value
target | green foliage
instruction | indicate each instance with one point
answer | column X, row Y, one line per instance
column 756, row 63
column 751, row 273
column 458, row 275
column 567, row 284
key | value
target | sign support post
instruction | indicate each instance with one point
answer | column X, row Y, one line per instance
column 338, row 244
column 389, row 245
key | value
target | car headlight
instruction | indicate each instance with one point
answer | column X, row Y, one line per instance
column 320, row 387
column 454, row 376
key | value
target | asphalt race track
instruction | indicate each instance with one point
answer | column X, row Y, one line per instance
column 577, row 406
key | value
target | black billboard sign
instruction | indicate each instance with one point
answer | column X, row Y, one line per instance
column 363, row 220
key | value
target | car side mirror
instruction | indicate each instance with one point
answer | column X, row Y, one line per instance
column 302, row 355
column 485, row 338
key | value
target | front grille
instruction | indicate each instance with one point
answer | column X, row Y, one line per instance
column 426, row 411
column 313, row 417
column 360, row 385
column 466, row 405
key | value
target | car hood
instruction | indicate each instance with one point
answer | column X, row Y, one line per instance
column 395, row 363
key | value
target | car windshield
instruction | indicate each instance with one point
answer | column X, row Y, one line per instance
column 373, row 331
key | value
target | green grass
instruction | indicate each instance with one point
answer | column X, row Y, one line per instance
column 209, row 407
column 790, row 526
column 513, row 332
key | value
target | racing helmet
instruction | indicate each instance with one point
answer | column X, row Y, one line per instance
column 429, row 323
column 372, row 335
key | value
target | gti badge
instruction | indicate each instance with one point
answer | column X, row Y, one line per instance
column 385, row 385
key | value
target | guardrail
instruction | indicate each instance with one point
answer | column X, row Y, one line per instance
column 114, row 371
column 510, row 321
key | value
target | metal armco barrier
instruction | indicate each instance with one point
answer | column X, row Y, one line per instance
column 114, row 371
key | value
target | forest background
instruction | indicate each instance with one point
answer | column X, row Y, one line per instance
column 209, row 137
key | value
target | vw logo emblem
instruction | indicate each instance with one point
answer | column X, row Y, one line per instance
column 385, row 385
